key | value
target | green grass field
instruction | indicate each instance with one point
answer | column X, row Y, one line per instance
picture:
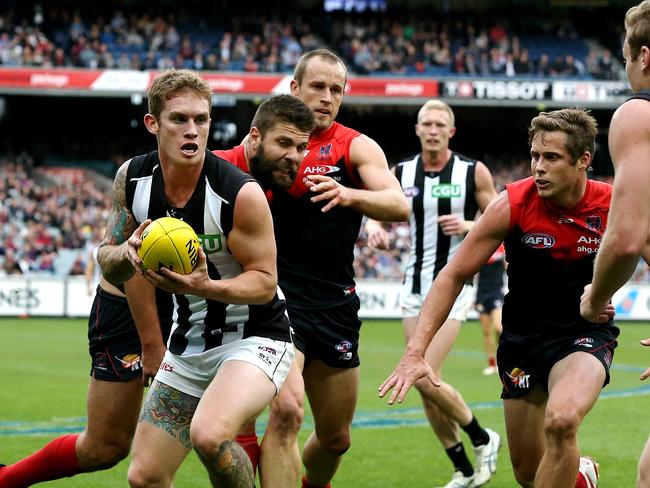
column 44, row 366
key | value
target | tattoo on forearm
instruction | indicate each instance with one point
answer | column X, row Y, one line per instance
column 170, row 410
column 120, row 226
column 229, row 466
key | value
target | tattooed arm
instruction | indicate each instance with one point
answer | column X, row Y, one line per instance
column 118, row 252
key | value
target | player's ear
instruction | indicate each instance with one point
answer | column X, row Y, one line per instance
column 585, row 160
column 645, row 57
column 255, row 138
column 452, row 132
column 151, row 124
column 295, row 89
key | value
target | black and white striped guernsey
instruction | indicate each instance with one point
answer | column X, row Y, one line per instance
column 431, row 194
column 200, row 324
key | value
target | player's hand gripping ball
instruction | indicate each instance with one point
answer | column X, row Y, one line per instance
column 169, row 243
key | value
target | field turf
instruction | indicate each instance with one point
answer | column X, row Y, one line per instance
column 44, row 367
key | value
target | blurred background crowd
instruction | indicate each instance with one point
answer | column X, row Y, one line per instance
column 409, row 43
column 51, row 216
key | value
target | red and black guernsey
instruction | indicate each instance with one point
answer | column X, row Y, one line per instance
column 550, row 253
column 234, row 156
column 316, row 249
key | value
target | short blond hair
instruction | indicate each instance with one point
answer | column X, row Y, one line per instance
column 437, row 105
column 171, row 82
column 637, row 27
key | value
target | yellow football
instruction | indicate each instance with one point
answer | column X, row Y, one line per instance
column 169, row 243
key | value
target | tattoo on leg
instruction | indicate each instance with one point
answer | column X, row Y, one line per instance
column 229, row 466
column 170, row 410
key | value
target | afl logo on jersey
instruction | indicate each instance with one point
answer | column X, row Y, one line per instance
column 321, row 170
column 538, row 241
column 411, row 191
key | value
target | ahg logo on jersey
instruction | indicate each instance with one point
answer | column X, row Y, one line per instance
column 321, row 169
column 211, row 243
column 447, row 190
column 538, row 241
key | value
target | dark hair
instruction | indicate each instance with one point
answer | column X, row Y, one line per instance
column 171, row 82
column 325, row 54
column 578, row 124
column 637, row 28
column 283, row 108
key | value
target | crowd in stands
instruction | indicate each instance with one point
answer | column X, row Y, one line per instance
column 413, row 44
column 41, row 216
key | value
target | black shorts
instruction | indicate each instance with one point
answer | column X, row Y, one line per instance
column 525, row 362
column 488, row 301
column 330, row 335
column 113, row 341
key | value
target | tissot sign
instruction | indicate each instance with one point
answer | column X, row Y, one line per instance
column 497, row 90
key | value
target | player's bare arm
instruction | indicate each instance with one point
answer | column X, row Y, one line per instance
column 629, row 145
column 252, row 244
column 142, row 301
column 117, row 254
column 382, row 199
column 481, row 242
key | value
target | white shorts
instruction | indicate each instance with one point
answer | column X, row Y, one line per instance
column 412, row 303
column 193, row 373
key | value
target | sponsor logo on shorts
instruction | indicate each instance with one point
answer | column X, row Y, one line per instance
column 519, row 378
column 165, row 366
column 265, row 359
column 343, row 346
column 130, row 361
column 584, row 341
column 608, row 358
column 100, row 361
column 270, row 350
column 538, row 241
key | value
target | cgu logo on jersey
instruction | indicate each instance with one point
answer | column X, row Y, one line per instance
column 519, row 378
column 447, row 190
column 211, row 243
column 538, row 241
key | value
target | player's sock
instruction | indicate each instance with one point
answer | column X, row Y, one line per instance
column 305, row 484
column 460, row 460
column 492, row 361
column 477, row 434
column 57, row 459
column 250, row 444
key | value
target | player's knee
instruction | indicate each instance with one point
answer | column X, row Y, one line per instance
column 561, row 425
column 139, row 476
column 286, row 416
column 207, row 442
column 337, row 443
column 104, row 454
column 523, row 469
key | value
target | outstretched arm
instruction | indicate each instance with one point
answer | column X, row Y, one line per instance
column 382, row 199
column 629, row 145
column 481, row 242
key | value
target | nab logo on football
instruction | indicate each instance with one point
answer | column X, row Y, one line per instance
column 538, row 241
column 321, row 170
